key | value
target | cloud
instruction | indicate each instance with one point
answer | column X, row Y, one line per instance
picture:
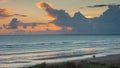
column 56, row 14
column 112, row 14
column 101, row 5
column 61, row 18
column 44, row 6
column 51, row 12
column 97, row 6
column 4, row 13
column 19, row 15
column 109, row 21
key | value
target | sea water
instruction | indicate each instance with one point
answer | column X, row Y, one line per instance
column 19, row 51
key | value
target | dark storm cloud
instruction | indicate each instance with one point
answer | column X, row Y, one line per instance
column 107, row 23
column 63, row 19
column 111, row 15
column 4, row 13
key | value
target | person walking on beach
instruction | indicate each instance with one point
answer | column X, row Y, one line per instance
column 94, row 56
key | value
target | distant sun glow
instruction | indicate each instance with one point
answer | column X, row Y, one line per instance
column 50, row 18
column 42, row 28
column 69, row 28
column 89, row 17
column 54, row 27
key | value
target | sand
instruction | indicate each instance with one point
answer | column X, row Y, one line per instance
column 106, row 60
column 110, row 59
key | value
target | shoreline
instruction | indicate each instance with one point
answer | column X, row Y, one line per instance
column 105, row 60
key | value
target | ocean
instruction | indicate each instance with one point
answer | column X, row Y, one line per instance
column 19, row 51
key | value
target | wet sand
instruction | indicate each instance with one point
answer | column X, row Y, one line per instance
column 110, row 59
column 106, row 60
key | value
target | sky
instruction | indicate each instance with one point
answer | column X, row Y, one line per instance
column 29, row 11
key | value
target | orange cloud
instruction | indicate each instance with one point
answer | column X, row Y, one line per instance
column 29, row 29
column 46, row 27
column 4, row 13
column 40, row 28
column 50, row 18
column 53, row 27
column 44, row 5
column 48, row 8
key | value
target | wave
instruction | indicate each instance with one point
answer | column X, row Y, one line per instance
column 14, row 62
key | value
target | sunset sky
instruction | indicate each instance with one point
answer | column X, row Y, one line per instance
column 28, row 11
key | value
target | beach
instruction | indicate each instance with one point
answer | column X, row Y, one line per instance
column 110, row 61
